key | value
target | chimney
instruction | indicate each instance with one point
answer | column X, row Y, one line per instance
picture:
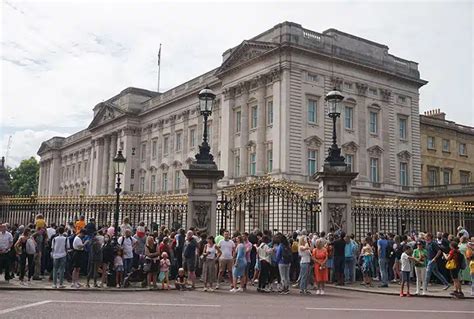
column 436, row 113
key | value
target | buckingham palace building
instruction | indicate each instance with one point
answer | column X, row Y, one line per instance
column 269, row 118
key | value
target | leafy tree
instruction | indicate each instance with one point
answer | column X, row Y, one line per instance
column 24, row 178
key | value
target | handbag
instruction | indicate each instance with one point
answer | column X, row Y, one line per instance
column 451, row 264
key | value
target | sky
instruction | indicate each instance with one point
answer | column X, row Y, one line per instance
column 60, row 58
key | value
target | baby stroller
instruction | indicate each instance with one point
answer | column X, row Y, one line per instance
column 137, row 275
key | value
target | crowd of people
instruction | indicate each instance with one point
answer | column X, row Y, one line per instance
column 273, row 262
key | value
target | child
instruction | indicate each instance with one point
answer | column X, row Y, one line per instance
column 164, row 270
column 181, row 282
column 118, row 266
column 406, row 269
column 470, row 262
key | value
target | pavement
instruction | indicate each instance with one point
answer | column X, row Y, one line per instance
column 48, row 303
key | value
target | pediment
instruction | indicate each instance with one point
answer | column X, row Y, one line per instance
column 107, row 112
column 375, row 151
column 404, row 156
column 246, row 51
column 350, row 147
column 313, row 141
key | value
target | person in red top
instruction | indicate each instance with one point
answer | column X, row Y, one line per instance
column 320, row 257
column 164, row 246
column 455, row 254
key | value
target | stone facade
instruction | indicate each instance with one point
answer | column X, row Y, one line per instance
column 447, row 150
column 269, row 118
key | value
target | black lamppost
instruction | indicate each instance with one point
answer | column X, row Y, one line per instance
column 119, row 162
column 333, row 98
column 206, row 101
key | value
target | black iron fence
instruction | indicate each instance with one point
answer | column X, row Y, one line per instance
column 400, row 216
column 168, row 210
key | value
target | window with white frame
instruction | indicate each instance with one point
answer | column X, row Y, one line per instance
column 401, row 99
column 402, row 128
column 132, row 187
column 312, row 77
column 349, row 117
column 374, row 169
column 312, row 161
column 166, row 145
column 253, row 117
column 269, row 112
column 179, row 136
column 373, row 122
column 143, row 153
column 350, row 161
column 237, row 166
column 153, row 184
column 269, row 160
column 403, row 174
column 312, row 111
column 164, row 182
column 238, row 121
column 446, row 145
column 177, row 180
column 447, row 173
column 192, row 137
column 462, row 149
column 433, row 176
column 431, row 143
column 153, row 148
column 79, row 172
column 142, row 184
column 253, row 164
column 373, row 91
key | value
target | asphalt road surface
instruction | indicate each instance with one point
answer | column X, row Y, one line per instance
column 223, row 304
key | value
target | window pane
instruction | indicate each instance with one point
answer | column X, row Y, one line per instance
column 348, row 117
column 312, row 111
column 270, row 113
column 373, row 122
column 238, row 116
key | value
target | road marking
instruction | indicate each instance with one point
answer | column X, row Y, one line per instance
column 4, row 311
column 140, row 303
column 391, row 310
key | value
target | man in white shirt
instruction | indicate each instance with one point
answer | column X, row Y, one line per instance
column 78, row 255
column 6, row 242
column 127, row 243
column 59, row 253
column 226, row 257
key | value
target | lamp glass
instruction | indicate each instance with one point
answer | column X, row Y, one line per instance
column 119, row 163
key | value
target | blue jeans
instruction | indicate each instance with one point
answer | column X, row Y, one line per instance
column 432, row 268
column 284, row 275
column 304, row 271
column 59, row 265
column 349, row 266
column 383, row 264
column 127, row 266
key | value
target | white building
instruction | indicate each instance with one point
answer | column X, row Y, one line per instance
column 270, row 118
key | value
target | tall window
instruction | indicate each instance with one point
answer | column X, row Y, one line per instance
column 462, row 149
column 312, row 111
column 402, row 126
column 464, row 177
column 153, row 149
column 348, row 117
column 269, row 112
column 178, row 141
column 404, row 174
column 132, row 173
column 192, row 137
column 143, row 152
column 447, row 177
column 312, row 162
column 431, row 143
column 350, row 161
column 374, row 170
column 253, row 164
column 269, row 161
column 446, row 145
column 253, row 118
column 177, row 180
column 433, row 177
column 164, row 182
column 153, row 183
column 142, row 184
column 238, row 121
column 373, row 122
column 166, row 144
column 237, row 166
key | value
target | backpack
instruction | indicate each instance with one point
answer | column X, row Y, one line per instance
column 286, row 255
column 389, row 252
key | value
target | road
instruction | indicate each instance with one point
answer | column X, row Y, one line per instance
column 223, row 304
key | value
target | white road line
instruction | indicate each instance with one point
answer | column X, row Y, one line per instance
column 4, row 311
column 391, row 310
column 138, row 303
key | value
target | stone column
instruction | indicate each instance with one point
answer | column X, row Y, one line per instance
column 244, row 135
column 227, row 133
column 105, row 166
column 39, row 191
column 261, row 127
column 113, row 152
column 54, row 174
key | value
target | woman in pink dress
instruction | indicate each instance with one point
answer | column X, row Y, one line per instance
column 320, row 257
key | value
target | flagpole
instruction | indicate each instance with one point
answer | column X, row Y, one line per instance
column 159, row 69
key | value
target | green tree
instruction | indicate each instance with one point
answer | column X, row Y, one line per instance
column 24, row 178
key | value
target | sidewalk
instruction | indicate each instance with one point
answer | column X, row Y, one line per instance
column 434, row 291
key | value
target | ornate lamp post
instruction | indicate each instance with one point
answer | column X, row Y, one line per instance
column 206, row 101
column 333, row 98
column 119, row 163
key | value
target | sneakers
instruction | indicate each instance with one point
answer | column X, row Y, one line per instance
column 446, row 287
column 423, row 293
column 284, row 292
column 402, row 295
column 204, row 289
column 54, row 287
column 322, row 292
column 417, row 292
column 23, row 283
column 318, row 292
column 217, row 286
column 233, row 290
column 61, row 286
column 210, row 289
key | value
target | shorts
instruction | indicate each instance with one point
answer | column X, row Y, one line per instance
column 189, row 264
column 77, row 257
column 405, row 276
column 454, row 273
column 226, row 264
column 119, row 268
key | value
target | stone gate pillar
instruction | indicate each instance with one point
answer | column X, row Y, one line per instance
column 202, row 196
column 335, row 198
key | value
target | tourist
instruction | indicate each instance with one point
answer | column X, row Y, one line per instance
column 339, row 258
column 382, row 245
column 320, row 257
column 164, row 271
column 151, row 261
column 6, row 243
column 462, row 232
column 421, row 256
column 304, row 252
column 248, row 249
column 470, row 260
column 239, row 265
column 119, row 268
column 434, row 252
column 59, row 253
column 78, row 255
column 127, row 242
column 225, row 249
column 464, row 274
column 181, row 282
column 457, row 260
column 22, row 250
column 80, row 224
column 95, row 261
column 264, row 258
column 209, row 265
column 405, row 268
column 349, row 260
column 394, row 252
column 367, row 254
column 189, row 257
column 139, row 248
column 125, row 226
column 283, row 258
